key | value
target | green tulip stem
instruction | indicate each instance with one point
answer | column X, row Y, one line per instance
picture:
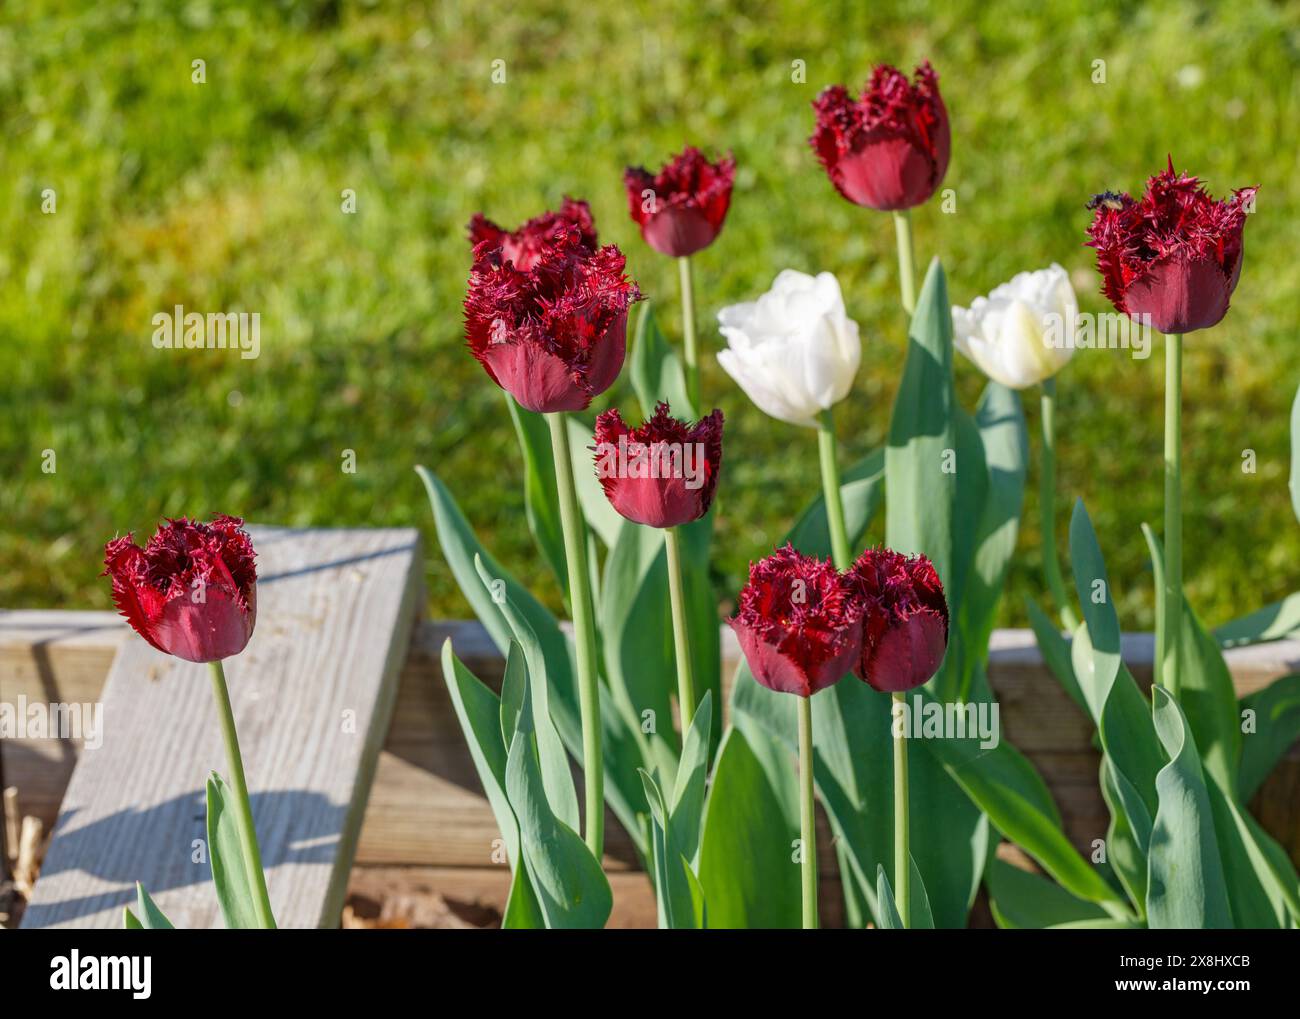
column 1047, row 507
column 584, row 632
column 1170, row 660
column 902, row 836
column 688, row 333
column 244, row 813
column 840, row 552
column 906, row 259
column 807, row 816
column 681, row 634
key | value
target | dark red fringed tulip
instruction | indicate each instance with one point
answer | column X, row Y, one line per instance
column 799, row 623
column 680, row 209
column 555, row 335
column 524, row 246
column 904, row 620
column 663, row 473
column 191, row 591
column 888, row 150
column 1175, row 255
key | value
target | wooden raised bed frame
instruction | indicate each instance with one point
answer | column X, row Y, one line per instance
column 427, row 827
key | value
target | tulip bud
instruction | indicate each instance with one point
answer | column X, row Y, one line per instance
column 794, row 351
column 799, row 623
column 1023, row 332
column 681, row 208
column 1175, row 255
column 663, row 473
column 904, row 621
column 889, row 150
column 553, row 336
column 191, row 591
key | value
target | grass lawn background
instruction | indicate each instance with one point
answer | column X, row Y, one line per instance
column 226, row 196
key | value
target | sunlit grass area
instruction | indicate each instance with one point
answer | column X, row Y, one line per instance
column 228, row 194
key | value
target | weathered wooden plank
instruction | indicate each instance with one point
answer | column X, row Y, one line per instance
column 312, row 697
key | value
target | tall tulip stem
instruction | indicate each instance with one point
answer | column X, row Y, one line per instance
column 807, row 817
column 906, row 260
column 1170, row 660
column 840, row 552
column 584, row 632
column 1047, row 506
column 902, row 836
column 244, row 813
column 681, row 634
column 688, row 332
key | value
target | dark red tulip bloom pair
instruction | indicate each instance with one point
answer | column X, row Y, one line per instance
column 1175, row 255
column 191, row 591
column 661, row 474
column 803, row 626
column 680, row 209
column 524, row 246
column 889, row 149
column 553, row 335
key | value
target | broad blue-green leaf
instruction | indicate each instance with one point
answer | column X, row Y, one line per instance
column 514, row 688
column 570, row 886
column 923, row 435
column 554, row 762
column 1000, row 419
column 1277, row 726
column 702, row 615
column 636, row 621
column 1055, row 650
column 523, row 912
column 1273, row 622
column 481, row 718
column 1185, row 882
column 887, row 908
column 686, row 805
column 1255, row 897
column 149, row 917
column 541, row 499
column 1023, row 900
column 603, row 519
column 1006, row 786
column 1205, row 690
column 1096, row 675
column 1128, row 836
column 655, row 370
column 226, row 856
column 862, row 488
column 747, row 868
column 461, row 548
column 673, row 894
column 890, row 919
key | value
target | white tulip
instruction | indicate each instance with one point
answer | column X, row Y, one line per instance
column 1023, row 332
column 794, row 351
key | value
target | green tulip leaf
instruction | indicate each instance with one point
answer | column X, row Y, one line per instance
column 541, row 498
column 656, row 371
column 1276, row 720
column 226, row 857
column 1185, row 879
column 747, row 868
column 1023, row 900
column 1278, row 621
column 147, row 915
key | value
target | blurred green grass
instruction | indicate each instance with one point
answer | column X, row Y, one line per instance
column 226, row 195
